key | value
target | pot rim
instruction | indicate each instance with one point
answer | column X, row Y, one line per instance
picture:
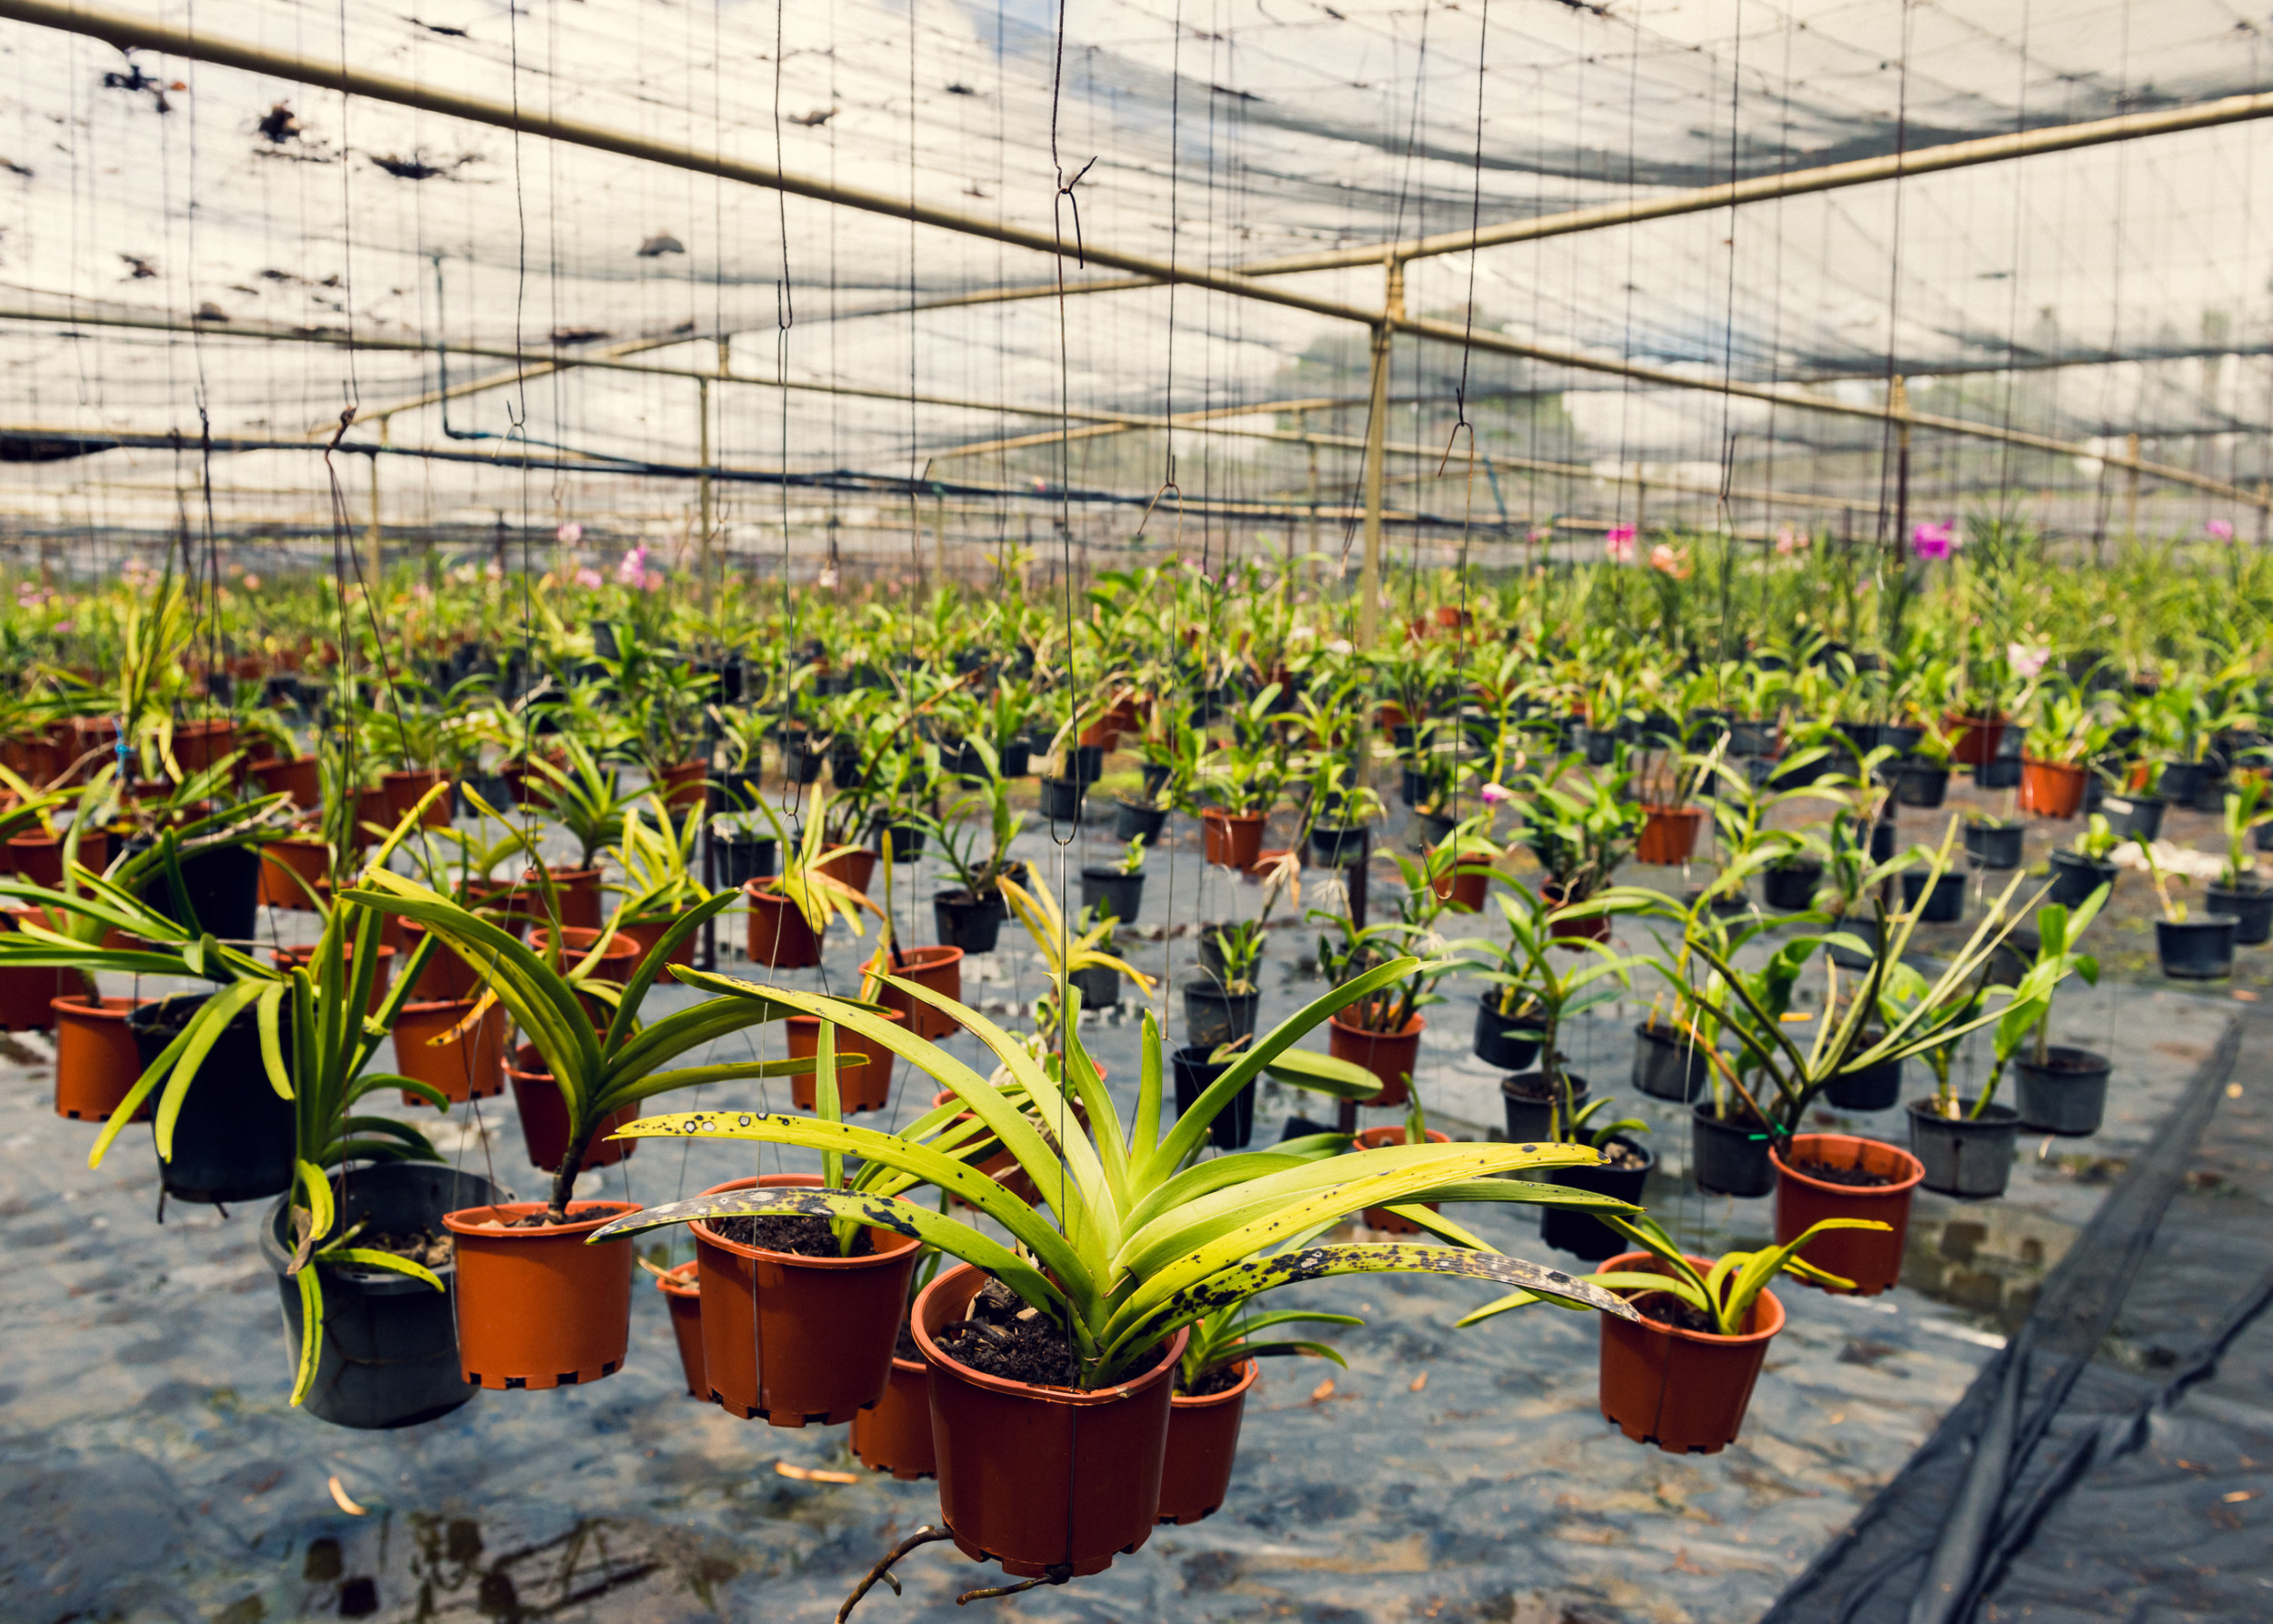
column 1697, row 1108
column 79, row 1006
column 677, row 1281
column 1767, row 1306
column 1903, row 1186
column 602, row 1212
column 2100, row 1061
column 1413, row 1027
column 1356, row 1140
column 1995, row 1115
column 2190, row 923
column 2077, row 767
column 813, row 1022
column 1211, row 1400
column 937, row 1358
column 876, row 1260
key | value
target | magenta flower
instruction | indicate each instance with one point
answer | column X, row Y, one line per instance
column 589, row 577
column 1618, row 543
column 1494, row 794
column 2221, row 530
column 1933, row 541
column 633, row 569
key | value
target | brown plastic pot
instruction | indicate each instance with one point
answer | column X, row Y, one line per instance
column 470, row 1065
column 576, row 942
column 199, row 745
column 1593, row 929
column 644, row 934
column 779, row 936
column 544, row 1119
column 864, row 1087
column 303, row 958
column 1231, row 839
column 685, row 785
column 1872, row 1260
column 792, row 1341
column 1392, row 1056
column 446, row 977
column 1978, row 739
column 301, row 778
column 285, row 864
column 895, row 1436
column 1374, row 1138
column 403, row 791
column 1685, row 1391
column 683, row 1297
column 938, row 968
column 538, row 1308
column 855, row 867
column 1203, row 1444
column 27, row 997
column 1668, row 835
column 97, row 1062
column 2052, row 788
column 38, row 859
column 1044, row 1481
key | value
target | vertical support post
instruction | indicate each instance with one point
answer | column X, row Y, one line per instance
column 1376, row 440
column 2265, row 510
column 372, row 547
column 702, row 488
column 1641, row 506
column 939, row 538
column 2130, row 486
column 1899, row 401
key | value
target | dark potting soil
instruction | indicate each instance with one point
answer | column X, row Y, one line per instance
column 1004, row 1336
column 1668, row 1310
column 798, row 1236
column 1855, row 1177
column 1221, row 1379
column 1615, row 1154
column 906, row 1349
column 419, row 1246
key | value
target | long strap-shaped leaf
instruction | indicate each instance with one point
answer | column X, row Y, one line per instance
column 189, row 1051
column 956, row 1238
column 990, row 1196
column 630, row 1091
column 620, row 1029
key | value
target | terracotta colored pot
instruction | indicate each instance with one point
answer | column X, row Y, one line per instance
column 470, row 1065
column 27, row 997
column 1099, row 735
column 779, row 936
column 1393, row 1056
column 685, row 785
column 2052, row 788
column 403, row 790
column 1231, row 839
column 32, row 757
column 446, row 976
column 1685, row 1391
column 938, row 968
column 510, row 905
column 538, row 1307
column 288, row 958
column 1374, row 1138
column 300, row 777
column 684, row 1296
column 895, row 1436
column 38, row 859
column 1462, row 887
column 1872, row 1260
column 855, row 867
column 1202, row 1443
column 1977, row 738
column 1668, row 835
column 576, row 943
column 283, row 864
column 1042, row 1479
column 864, row 1087
column 791, row 1341
column 199, row 745
column 544, row 1119
column 1596, row 928
column 97, row 1062
column 578, row 891
column 370, row 814
column 644, row 934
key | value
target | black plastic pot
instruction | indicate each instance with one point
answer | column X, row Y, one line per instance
column 2262, row 836
column 2135, row 816
column 2076, row 876
column 1873, row 1090
column 1993, row 845
column 1429, row 829
column 1790, row 887
column 233, row 1141
column 1730, row 1158
column 1867, row 931
column 741, row 858
column 1505, row 1042
column 1100, row 986
column 1412, row 787
column 1751, row 739
column 1061, row 799
column 1945, row 907
column 801, row 759
column 220, row 883
column 2067, row 1095
column 1920, row 784
column 1601, row 746
column 2196, row 949
column 1016, row 760
column 1214, row 1016
column 2183, row 780
column 1087, row 762
column 1121, row 894
column 1332, row 847
column 2001, row 772
column 901, row 842
column 2251, row 907
column 1668, row 1064
column 1155, row 779
column 1579, row 1233
column 731, row 790
column 1964, row 1156
column 389, row 1353
column 1528, row 1104
column 1133, row 821
column 845, row 770
column 969, row 922
column 1234, row 1125
column 1897, row 736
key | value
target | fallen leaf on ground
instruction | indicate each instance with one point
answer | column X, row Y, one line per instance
column 808, row 1474
column 1420, row 1382
column 1323, row 1391
column 339, row 1497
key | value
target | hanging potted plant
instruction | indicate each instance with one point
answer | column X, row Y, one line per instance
column 1219, row 1367
column 1581, row 831
column 2235, row 890
column 2085, row 867
column 790, row 914
column 1667, row 783
column 2055, row 762
column 1382, row 1032
column 1680, row 1373
column 1246, row 786
column 2061, row 1089
column 1051, row 1365
column 2192, row 947
column 969, row 915
column 1540, row 1104
column 536, row 1307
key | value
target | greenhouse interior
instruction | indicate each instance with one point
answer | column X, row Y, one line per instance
column 1436, row 811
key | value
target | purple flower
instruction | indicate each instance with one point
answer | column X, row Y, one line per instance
column 1494, row 794
column 1933, row 541
column 1618, row 543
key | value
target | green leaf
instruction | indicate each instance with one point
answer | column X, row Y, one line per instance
column 371, row 1258
column 311, row 1333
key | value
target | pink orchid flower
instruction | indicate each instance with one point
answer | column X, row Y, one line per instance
column 1933, row 540
column 569, row 534
column 1619, row 543
column 2221, row 530
column 589, row 577
column 1669, row 561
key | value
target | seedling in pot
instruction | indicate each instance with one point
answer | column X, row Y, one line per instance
column 1226, row 1338
column 2245, row 812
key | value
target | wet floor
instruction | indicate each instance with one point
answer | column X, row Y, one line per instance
column 156, row 1473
